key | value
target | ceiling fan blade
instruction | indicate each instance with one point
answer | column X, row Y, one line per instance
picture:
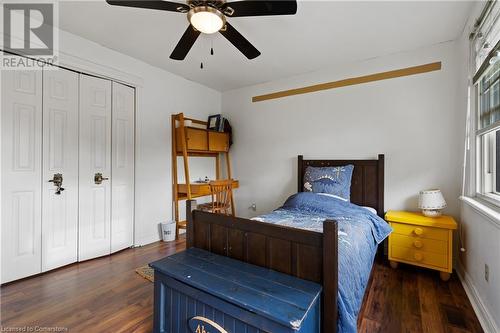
column 187, row 40
column 240, row 42
column 259, row 8
column 152, row 4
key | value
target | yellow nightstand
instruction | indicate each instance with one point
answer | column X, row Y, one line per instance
column 421, row 241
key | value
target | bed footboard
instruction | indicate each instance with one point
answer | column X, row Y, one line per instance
column 305, row 254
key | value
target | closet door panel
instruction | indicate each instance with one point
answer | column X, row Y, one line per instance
column 122, row 206
column 21, row 126
column 95, row 161
column 60, row 156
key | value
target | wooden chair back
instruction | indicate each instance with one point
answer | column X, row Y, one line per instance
column 222, row 192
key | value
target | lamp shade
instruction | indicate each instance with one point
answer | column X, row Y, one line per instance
column 431, row 199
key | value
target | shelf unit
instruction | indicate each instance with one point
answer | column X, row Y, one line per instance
column 190, row 141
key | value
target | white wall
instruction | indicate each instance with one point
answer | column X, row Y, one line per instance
column 412, row 120
column 481, row 236
column 159, row 95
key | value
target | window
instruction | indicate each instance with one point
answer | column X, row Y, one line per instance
column 488, row 133
column 489, row 97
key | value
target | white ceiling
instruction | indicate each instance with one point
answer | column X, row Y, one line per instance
column 322, row 33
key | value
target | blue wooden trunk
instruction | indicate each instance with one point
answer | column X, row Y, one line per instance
column 236, row 296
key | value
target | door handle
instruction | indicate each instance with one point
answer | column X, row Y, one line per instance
column 98, row 178
column 57, row 180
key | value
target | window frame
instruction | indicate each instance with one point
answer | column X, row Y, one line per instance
column 485, row 187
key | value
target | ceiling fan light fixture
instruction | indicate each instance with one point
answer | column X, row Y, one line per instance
column 206, row 19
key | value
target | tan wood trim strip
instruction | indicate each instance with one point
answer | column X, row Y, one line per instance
column 435, row 66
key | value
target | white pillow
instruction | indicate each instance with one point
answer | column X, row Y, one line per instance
column 333, row 196
column 373, row 210
column 370, row 209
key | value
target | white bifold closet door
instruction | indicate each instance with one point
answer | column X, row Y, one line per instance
column 60, row 156
column 122, row 174
column 21, row 117
column 95, row 168
column 58, row 123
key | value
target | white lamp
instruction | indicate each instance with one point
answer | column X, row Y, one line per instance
column 431, row 202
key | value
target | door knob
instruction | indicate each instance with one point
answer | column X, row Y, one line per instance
column 98, row 178
column 57, row 180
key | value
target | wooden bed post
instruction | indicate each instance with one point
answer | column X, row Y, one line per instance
column 380, row 199
column 330, row 276
column 380, row 181
column 174, row 175
column 190, row 207
column 300, row 173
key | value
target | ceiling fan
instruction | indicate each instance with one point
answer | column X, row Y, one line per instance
column 209, row 16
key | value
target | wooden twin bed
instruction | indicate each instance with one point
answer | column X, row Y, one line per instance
column 305, row 254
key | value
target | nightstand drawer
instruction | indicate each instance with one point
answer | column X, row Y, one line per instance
column 420, row 231
column 418, row 257
column 421, row 244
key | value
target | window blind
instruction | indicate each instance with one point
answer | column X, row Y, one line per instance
column 489, row 95
column 485, row 39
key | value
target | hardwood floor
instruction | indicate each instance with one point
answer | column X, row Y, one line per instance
column 410, row 299
column 100, row 295
column 106, row 295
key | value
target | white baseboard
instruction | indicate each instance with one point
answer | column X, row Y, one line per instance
column 153, row 238
column 483, row 315
column 147, row 240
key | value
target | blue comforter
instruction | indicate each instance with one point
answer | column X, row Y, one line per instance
column 360, row 231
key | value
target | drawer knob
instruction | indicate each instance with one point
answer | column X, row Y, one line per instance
column 418, row 231
column 418, row 256
column 418, row 244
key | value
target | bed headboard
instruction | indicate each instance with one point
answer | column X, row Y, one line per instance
column 367, row 184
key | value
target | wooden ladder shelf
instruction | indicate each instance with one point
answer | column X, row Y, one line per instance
column 197, row 141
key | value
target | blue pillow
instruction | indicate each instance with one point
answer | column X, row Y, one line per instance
column 331, row 180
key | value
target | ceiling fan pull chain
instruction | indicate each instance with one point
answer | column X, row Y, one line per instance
column 212, row 47
column 201, row 65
